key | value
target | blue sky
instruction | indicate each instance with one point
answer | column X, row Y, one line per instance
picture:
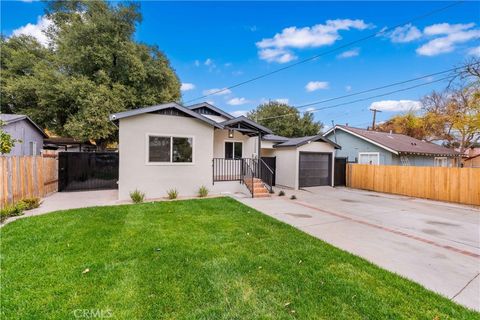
column 213, row 45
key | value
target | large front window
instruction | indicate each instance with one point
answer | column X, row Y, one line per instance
column 233, row 150
column 167, row 149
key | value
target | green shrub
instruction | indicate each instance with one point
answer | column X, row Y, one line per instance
column 137, row 196
column 202, row 192
column 172, row 194
column 281, row 193
column 30, row 203
column 12, row 210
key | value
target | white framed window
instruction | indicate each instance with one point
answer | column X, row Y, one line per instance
column 369, row 158
column 165, row 149
column 32, row 148
column 440, row 162
column 233, row 149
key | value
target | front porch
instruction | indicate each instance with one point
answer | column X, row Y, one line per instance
column 237, row 150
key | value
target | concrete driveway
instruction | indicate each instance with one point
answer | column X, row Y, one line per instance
column 433, row 243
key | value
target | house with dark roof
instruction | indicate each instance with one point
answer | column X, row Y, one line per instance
column 383, row 148
column 29, row 135
column 170, row 146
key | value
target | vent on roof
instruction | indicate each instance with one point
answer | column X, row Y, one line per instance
column 413, row 143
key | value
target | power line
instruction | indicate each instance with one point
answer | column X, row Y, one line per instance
column 373, row 35
column 363, row 99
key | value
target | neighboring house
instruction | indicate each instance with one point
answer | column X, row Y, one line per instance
column 66, row 144
column 172, row 146
column 373, row 147
column 472, row 162
column 22, row 128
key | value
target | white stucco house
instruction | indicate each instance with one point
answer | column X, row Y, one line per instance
column 173, row 146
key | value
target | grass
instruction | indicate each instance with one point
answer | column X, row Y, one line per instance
column 195, row 259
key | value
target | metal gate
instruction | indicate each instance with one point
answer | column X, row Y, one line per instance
column 315, row 169
column 272, row 163
column 340, row 172
column 87, row 171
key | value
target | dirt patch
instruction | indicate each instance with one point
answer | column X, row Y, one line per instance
column 298, row 215
column 432, row 232
column 440, row 223
column 349, row 200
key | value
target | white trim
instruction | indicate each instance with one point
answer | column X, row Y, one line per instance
column 170, row 163
column 447, row 164
column 363, row 138
column 232, row 140
column 370, row 153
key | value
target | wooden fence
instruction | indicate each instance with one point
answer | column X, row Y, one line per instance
column 461, row 185
column 27, row 176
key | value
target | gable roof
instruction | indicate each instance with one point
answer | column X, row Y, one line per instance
column 11, row 118
column 248, row 123
column 297, row 142
column 396, row 143
column 171, row 105
column 212, row 108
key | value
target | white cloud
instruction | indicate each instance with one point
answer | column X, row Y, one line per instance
column 316, row 85
column 277, row 49
column 396, row 105
column 405, row 33
column 239, row 113
column 348, row 88
column 311, row 109
column 35, row 30
column 450, row 36
column 349, row 54
column 187, row 86
column 197, row 63
column 474, row 51
column 237, row 101
column 208, row 62
column 276, row 55
column 282, row 100
column 217, row 92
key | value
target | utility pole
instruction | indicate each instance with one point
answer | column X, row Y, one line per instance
column 374, row 117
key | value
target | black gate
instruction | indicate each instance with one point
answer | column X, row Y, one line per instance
column 340, row 178
column 272, row 163
column 87, row 171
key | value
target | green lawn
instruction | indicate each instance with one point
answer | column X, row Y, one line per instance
column 196, row 259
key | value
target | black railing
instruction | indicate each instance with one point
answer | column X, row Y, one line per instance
column 227, row 169
column 244, row 170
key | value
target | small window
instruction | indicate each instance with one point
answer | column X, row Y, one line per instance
column 158, row 149
column 182, row 149
column 164, row 149
column 440, row 162
column 233, row 150
column 32, row 148
column 369, row 158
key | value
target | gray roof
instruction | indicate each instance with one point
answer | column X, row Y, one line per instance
column 247, row 122
column 297, row 142
column 11, row 118
column 274, row 138
column 134, row 112
column 211, row 107
column 400, row 143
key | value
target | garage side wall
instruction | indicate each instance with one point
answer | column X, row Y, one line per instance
column 287, row 167
column 156, row 179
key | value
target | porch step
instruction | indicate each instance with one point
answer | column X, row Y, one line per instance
column 259, row 189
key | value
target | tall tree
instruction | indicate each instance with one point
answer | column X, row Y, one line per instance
column 91, row 68
column 285, row 120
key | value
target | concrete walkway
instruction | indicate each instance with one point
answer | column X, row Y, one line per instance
column 433, row 243
column 71, row 200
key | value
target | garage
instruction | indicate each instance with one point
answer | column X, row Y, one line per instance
column 315, row 169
